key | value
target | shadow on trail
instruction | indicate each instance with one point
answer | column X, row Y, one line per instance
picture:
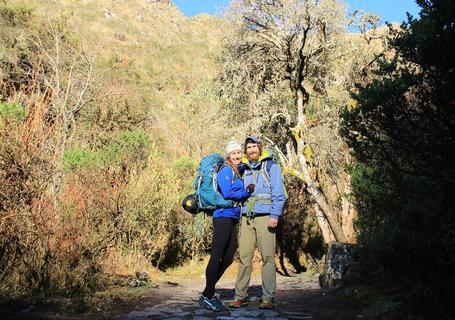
column 299, row 240
column 228, row 293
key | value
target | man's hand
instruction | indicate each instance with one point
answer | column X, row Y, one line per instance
column 273, row 222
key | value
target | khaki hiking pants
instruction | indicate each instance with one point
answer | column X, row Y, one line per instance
column 254, row 231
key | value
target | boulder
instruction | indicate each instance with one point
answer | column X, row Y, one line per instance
column 338, row 260
column 142, row 276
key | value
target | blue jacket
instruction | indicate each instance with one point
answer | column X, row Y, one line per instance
column 231, row 189
column 268, row 197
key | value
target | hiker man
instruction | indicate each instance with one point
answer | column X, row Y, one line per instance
column 260, row 215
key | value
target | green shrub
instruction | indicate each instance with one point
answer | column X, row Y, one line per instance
column 12, row 110
column 184, row 164
column 77, row 159
column 128, row 146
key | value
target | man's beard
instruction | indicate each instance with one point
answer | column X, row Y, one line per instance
column 254, row 157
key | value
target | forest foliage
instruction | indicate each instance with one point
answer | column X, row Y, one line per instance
column 401, row 133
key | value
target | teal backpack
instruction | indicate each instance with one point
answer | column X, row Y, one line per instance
column 206, row 186
column 207, row 196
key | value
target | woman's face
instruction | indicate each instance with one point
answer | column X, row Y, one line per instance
column 236, row 157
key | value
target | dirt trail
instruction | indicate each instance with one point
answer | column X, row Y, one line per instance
column 298, row 297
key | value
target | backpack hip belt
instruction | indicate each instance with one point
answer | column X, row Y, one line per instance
column 259, row 198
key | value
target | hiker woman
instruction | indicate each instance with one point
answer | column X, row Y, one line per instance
column 224, row 240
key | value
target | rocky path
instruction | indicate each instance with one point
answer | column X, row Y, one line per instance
column 298, row 297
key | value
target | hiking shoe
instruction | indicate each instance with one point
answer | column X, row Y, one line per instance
column 238, row 303
column 266, row 304
column 212, row 304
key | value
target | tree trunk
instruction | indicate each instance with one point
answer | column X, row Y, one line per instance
column 312, row 188
column 348, row 212
column 327, row 233
column 321, row 201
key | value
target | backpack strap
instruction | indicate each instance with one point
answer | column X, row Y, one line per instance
column 236, row 204
column 265, row 170
column 197, row 191
column 234, row 175
column 266, row 174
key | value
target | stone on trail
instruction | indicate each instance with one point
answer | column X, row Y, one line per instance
column 182, row 314
column 300, row 317
column 270, row 314
column 138, row 315
column 245, row 313
column 143, row 276
column 171, row 309
column 199, row 312
column 337, row 263
column 293, row 315
column 152, row 312
column 133, row 282
column 201, row 318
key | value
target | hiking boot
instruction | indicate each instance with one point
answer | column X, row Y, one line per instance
column 212, row 304
column 266, row 304
column 238, row 303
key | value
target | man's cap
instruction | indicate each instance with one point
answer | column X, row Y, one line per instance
column 252, row 138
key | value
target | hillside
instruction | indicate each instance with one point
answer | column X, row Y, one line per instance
column 168, row 59
column 155, row 35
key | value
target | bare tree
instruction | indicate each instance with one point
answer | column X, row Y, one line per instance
column 71, row 85
column 285, row 45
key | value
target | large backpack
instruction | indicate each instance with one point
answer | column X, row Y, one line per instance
column 209, row 198
column 207, row 195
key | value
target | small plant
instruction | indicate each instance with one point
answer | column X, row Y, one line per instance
column 12, row 110
column 129, row 146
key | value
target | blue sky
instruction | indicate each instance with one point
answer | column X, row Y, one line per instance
column 389, row 10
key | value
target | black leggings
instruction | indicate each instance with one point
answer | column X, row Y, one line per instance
column 224, row 243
